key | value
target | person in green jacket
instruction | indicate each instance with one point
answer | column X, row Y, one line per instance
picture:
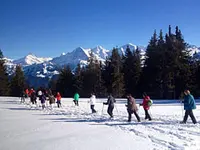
column 76, row 98
column 189, row 105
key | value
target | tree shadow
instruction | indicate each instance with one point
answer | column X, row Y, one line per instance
column 9, row 102
column 19, row 108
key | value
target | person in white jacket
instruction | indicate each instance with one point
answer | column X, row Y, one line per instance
column 92, row 102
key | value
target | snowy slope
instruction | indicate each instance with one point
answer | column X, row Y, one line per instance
column 100, row 52
column 193, row 49
column 72, row 58
column 10, row 66
column 123, row 48
column 46, row 69
column 31, row 59
column 74, row 128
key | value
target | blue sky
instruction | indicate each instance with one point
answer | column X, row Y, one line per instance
column 50, row 27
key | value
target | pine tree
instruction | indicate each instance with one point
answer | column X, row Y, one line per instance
column 117, row 75
column 151, row 69
column 100, row 89
column 128, row 71
column 136, row 70
column 52, row 85
column 4, row 88
column 183, row 64
column 106, row 75
column 78, row 80
column 168, row 68
column 18, row 82
column 92, row 77
column 65, row 82
column 132, row 70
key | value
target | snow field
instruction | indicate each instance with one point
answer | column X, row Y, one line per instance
column 91, row 130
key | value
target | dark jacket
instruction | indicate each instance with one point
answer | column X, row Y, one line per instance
column 111, row 100
column 43, row 99
column 33, row 96
column 131, row 104
column 51, row 99
column 189, row 102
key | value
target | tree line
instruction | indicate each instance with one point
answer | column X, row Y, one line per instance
column 164, row 72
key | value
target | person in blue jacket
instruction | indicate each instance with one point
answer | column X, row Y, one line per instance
column 189, row 105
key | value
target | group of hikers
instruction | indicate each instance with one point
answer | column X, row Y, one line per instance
column 189, row 103
column 45, row 95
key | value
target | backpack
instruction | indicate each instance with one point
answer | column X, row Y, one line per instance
column 150, row 102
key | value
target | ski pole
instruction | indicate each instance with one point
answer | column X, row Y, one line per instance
column 139, row 110
column 181, row 108
column 88, row 106
column 102, row 110
column 116, row 109
column 150, row 112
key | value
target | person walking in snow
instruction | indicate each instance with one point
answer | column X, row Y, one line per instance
column 146, row 105
column 132, row 108
column 26, row 93
column 40, row 94
column 58, row 97
column 51, row 98
column 43, row 99
column 23, row 95
column 76, row 99
column 33, row 96
column 110, row 102
column 92, row 102
column 189, row 105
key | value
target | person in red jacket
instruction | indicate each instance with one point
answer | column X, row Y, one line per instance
column 26, row 93
column 58, row 97
column 30, row 92
column 146, row 105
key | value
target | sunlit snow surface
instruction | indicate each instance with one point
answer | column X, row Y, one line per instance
column 28, row 127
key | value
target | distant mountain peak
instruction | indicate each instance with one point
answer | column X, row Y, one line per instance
column 99, row 47
column 30, row 59
column 79, row 48
column 37, row 67
column 63, row 54
column 31, row 54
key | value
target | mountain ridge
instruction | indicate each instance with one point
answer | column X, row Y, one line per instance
column 46, row 67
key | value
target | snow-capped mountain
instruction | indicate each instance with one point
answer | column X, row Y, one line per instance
column 39, row 70
column 31, row 59
column 194, row 50
column 100, row 52
column 123, row 48
column 10, row 66
column 72, row 58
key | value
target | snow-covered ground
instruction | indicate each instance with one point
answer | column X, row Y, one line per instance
column 27, row 127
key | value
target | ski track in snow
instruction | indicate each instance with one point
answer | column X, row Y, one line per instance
column 164, row 131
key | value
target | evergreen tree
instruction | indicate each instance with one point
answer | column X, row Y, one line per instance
column 100, row 89
column 128, row 71
column 106, row 75
column 52, row 85
column 136, row 70
column 151, row 68
column 18, row 82
column 65, row 82
column 132, row 70
column 4, row 88
column 78, row 80
column 168, row 68
column 117, row 75
column 92, row 78
column 183, row 64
